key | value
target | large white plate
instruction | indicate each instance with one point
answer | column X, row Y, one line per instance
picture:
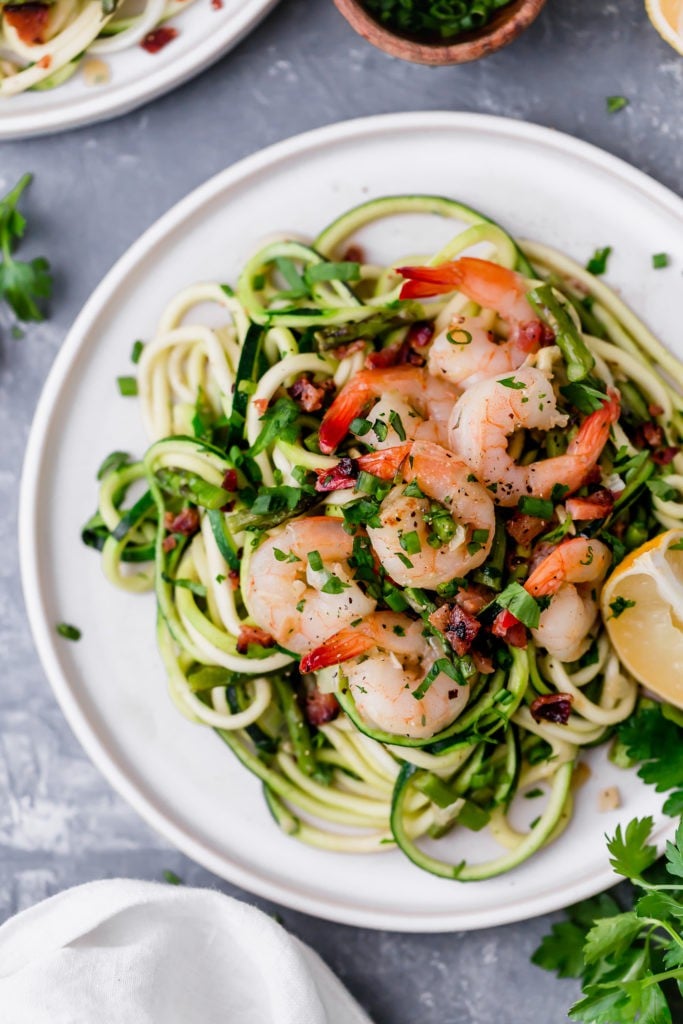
column 111, row 686
column 204, row 35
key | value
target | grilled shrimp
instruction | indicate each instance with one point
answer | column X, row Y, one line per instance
column 285, row 593
column 386, row 657
column 422, row 404
column 489, row 412
column 570, row 573
column 466, row 351
column 423, row 544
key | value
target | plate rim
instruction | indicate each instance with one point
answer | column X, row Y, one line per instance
column 44, row 636
column 92, row 109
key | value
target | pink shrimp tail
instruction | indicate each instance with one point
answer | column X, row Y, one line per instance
column 423, row 282
column 385, row 464
column 347, row 643
column 348, row 404
column 548, row 577
column 593, row 433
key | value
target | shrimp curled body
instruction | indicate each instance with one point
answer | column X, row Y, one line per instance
column 285, row 595
column 438, row 552
column 488, row 413
column 569, row 575
column 386, row 657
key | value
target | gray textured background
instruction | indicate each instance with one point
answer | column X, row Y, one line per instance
column 96, row 190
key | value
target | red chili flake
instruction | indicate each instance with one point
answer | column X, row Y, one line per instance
column 260, row 404
column 230, row 480
column 185, row 522
column 45, row 62
column 320, row 708
column 309, row 396
column 30, row 22
column 595, row 506
column 342, row 475
column 655, row 410
column 554, row 707
column 524, row 529
column 169, row 543
column 253, row 635
column 510, row 629
column 663, row 456
column 354, row 254
column 458, row 626
column 158, row 38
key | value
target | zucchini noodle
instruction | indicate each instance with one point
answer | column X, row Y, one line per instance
column 239, row 460
column 43, row 44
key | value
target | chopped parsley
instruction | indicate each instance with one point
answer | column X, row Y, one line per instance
column 616, row 103
column 597, row 264
column 68, row 632
column 510, row 382
column 660, row 260
column 619, row 605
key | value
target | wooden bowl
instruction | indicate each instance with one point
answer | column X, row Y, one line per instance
column 506, row 25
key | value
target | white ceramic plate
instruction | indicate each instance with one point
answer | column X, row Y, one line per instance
column 111, row 685
column 204, row 35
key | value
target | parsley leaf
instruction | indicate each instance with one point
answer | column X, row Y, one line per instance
column 631, row 854
column 22, row 285
column 279, row 424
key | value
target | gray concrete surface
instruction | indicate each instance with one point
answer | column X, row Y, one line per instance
column 96, row 189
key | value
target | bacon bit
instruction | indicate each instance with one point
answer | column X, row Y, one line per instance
column 554, row 707
column 30, row 22
column 260, row 404
column 217, row 5
column 534, row 334
column 524, row 529
column 253, row 635
column 185, row 522
column 354, row 254
column 169, row 543
column 229, row 482
column 655, row 410
column 45, row 62
column 384, row 358
column 663, row 456
column 234, row 578
column 595, row 506
column 342, row 475
column 650, row 435
column 320, row 708
column 474, row 598
column 309, row 396
column 458, row 626
column 344, row 351
column 483, row 663
column 508, row 627
column 158, row 38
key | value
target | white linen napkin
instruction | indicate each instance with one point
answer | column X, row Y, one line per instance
column 125, row 952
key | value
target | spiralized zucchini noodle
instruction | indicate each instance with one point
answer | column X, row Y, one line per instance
column 43, row 43
column 377, row 510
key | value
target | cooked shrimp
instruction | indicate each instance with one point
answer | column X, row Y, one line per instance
column 489, row 412
column 466, row 351
column 570, row 573
column 386, row 657
column 422, row 404
column 284, row 592
column 422, row 545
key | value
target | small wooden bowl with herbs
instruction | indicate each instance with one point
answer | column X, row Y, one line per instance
column 440, row 31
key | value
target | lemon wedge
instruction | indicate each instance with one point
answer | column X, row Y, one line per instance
column 642, row 605
column 667, row 18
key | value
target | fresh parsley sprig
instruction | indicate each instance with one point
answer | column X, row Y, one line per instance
column 630, row 961
column 23, row 286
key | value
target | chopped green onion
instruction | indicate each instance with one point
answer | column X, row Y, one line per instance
column 536, row 507
column 597, row 264
column 410, row 542
column 128, row 386
column 68, row 632
column 459, row 336
column 136, row 351
column 171, row 877
column 616, row 103
column 660, row 259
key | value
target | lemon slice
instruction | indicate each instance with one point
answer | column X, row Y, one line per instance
column 642, row 605
column 667, row 18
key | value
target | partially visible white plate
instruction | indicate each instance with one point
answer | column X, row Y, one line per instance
column 204, row 34
column 111, row 685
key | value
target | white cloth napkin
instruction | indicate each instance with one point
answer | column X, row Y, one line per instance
column 124, row 952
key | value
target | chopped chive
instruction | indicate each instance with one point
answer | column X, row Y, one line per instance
column 616, row 103
column 128, row 386
column 68, row 632
column 597, row 264
column 136, row 351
